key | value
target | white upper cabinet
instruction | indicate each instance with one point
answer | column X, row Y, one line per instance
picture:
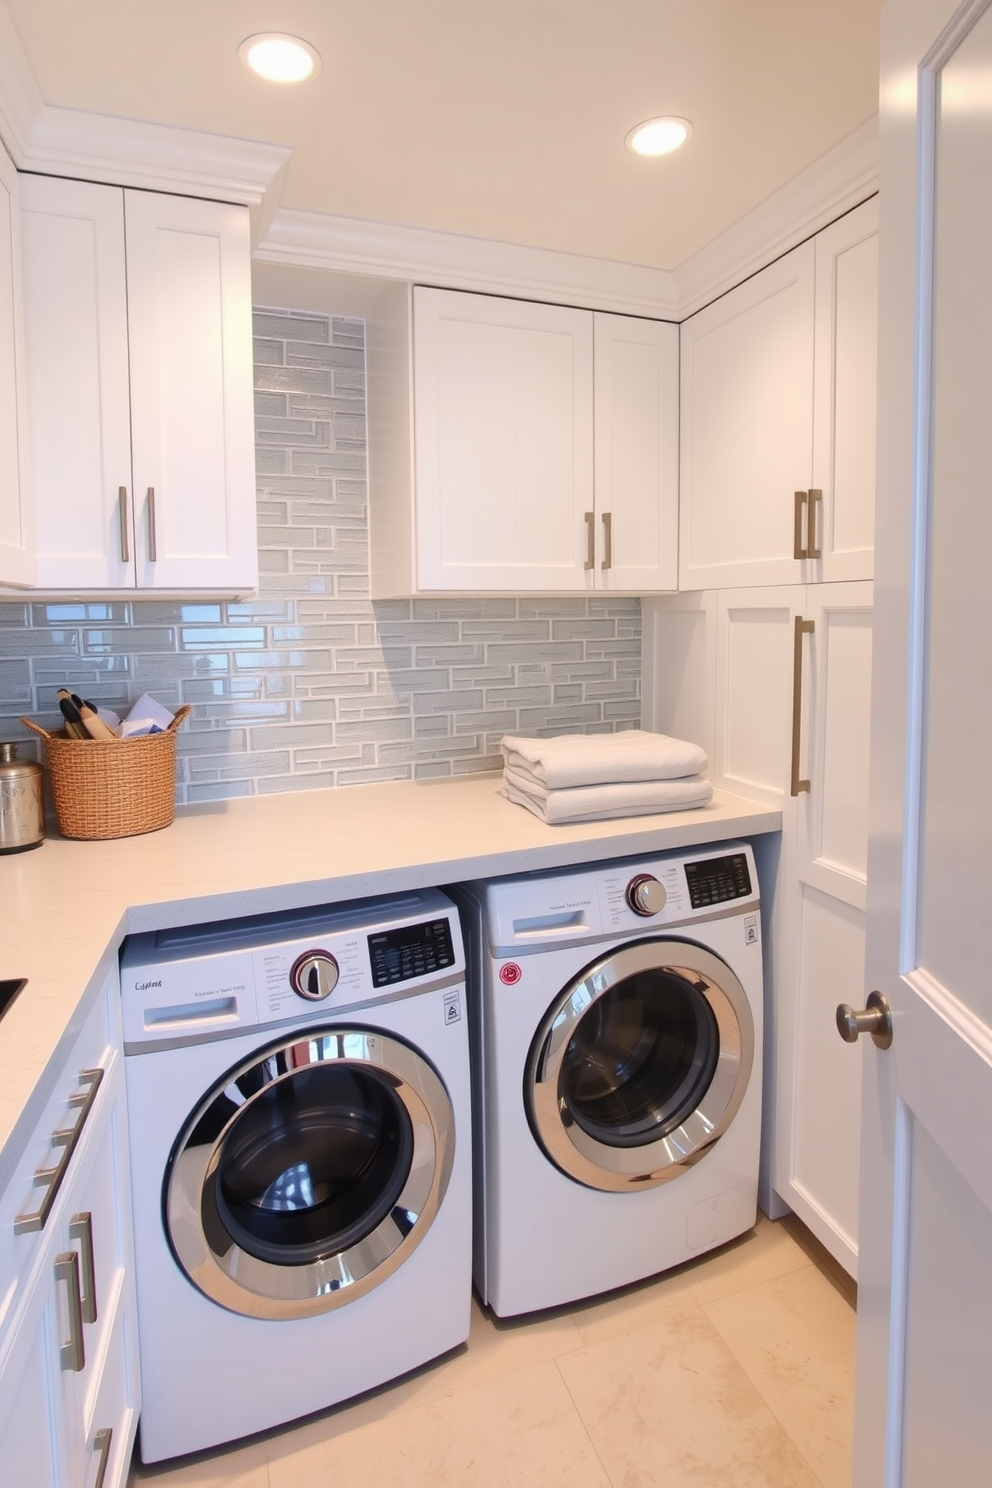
column 139, row 366
column 844, row 389
column 778, row 419
column 520, row 447
column 636, row 436
column 16, row 559
column 503, row 441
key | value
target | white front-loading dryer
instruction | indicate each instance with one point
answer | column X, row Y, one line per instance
column 616, row 1017
column 300, row 1117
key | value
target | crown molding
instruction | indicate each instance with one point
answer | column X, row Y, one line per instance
column 158, row 157
column 128, row 152
column 383, row 251
column 838, row 180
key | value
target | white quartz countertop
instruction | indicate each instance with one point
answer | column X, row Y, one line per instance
column 67, row 905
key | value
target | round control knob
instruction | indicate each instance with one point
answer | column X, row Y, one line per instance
column 645, row 895
column 314, row 975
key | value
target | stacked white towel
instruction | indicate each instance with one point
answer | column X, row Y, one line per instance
column 595, row 777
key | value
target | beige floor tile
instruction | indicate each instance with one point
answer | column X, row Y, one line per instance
column 509, row 1432
column 767, row 1251
column 646, row 1305
column 674, row 1409
column 795, row 1338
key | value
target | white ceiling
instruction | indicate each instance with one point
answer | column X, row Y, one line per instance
column 503, row 121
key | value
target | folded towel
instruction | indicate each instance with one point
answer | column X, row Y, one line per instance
column 603, row 802
column 602, row 759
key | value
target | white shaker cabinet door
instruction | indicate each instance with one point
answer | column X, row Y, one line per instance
column 636, row 399
column 189, row 326
column 503, row 425
column 75, row 306
column 747, row 428
column 819, row 1084
column 754, row 698
column 845, row 377
column 16, row 555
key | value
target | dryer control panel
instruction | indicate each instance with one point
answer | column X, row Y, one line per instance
column 638, row 896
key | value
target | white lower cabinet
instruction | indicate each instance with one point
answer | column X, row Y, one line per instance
column 68, row 1357
column 775, row 684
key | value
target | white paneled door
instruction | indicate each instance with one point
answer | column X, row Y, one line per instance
column 925, row 1295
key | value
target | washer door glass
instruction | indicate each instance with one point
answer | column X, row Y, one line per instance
column 640, row 1065
column 309, row 1173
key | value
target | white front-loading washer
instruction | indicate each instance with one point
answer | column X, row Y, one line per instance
column 300, row 1116
column 616, row 1019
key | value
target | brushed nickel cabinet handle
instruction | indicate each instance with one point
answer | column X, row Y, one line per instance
column 815, row 504
column 122, row 519
column 51, row 1178
column 803, row 627
column 590, row 541
column 607, row 540
column 798, row 546
column 101, row 1444
column 72, row 1355
column 152, row 534
column 81, row 1230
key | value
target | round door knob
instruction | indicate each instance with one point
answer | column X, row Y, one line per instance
column 314, row 975
column 645, row 895
column 875, row 1019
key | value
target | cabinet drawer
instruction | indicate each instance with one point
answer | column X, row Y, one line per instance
column 74, row 1105
column 99, row 1437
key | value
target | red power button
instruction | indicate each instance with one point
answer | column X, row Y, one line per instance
column 510, row 973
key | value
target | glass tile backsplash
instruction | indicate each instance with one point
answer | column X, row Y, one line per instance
column 312, row 684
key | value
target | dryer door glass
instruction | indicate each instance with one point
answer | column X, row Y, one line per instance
column 640, row 1064
column 309, row 1173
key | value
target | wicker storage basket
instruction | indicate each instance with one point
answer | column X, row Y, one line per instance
column 112, row 787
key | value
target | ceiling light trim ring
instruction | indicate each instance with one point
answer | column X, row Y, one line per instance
column 280, row 58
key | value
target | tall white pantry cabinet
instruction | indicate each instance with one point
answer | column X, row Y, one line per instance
column 765, row 658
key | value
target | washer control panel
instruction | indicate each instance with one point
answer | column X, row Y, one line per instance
column 715, row 880
column 201, row 981
column 411, row 951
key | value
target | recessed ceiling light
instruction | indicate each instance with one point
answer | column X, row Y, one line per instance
column 658, row 136
column 278, row 58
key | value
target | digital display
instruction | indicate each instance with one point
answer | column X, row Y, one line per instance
column 413, row 951
column 715, row 880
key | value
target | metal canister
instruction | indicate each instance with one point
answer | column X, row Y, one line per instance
column 22, row 802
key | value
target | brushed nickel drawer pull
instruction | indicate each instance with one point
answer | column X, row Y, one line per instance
column 590, row 541
column 152, row 533
column 803, row 627
column 101, row 1444
column 81, row 1230
column 51, row 1178
column 72, row 1355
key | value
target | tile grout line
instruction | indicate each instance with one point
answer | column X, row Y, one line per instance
column 754, row 1383
column 585, row 1429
